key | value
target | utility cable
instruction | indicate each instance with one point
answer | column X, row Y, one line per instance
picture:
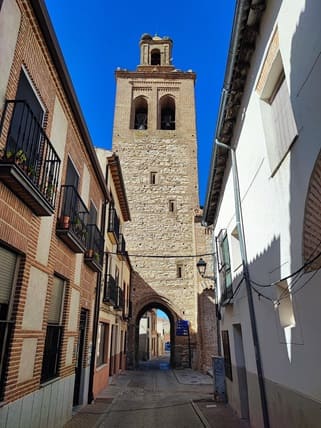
column 306, row 264
column 166, row 256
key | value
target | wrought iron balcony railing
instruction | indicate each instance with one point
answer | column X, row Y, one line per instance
column 113, row 225
column 95, row 248
column 72, row 219
column 29, row 165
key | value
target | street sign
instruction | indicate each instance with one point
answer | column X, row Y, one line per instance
column 182, row 328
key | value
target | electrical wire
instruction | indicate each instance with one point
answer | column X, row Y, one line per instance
column 293, row 274
column 236, row 290
column 304, row 284
column 296, row 280
column 166, row 256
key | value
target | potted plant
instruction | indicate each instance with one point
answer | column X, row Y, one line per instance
column 65, row 221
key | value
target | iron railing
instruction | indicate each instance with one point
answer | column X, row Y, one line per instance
column 25, row 144
column 95, row 244
column 73, row 214
column 121, row 245
column 113, row 221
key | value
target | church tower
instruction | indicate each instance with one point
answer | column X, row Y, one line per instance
column 154, row 135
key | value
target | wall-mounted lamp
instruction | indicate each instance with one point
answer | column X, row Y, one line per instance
column 201, row 267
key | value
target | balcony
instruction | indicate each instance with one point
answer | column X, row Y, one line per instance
column 110, row 290
column 121, row 247
column 95, row 248
column 29, row 165
column 113, row 225
column 72, row 219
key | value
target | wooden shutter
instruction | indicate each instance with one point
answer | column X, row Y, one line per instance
column 54, row 316
column 8, row 264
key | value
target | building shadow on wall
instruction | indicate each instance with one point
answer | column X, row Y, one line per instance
column 304, row 209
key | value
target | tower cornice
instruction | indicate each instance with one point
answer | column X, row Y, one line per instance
column 172, row 75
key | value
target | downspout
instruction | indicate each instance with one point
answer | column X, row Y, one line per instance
column 242, row 10
column 246, row 274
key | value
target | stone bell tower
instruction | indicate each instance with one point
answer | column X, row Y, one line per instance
column 154, row 135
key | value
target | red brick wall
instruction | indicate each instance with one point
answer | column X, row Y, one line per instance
column 19, row 227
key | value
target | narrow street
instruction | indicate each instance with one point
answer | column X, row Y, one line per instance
column 156, row 396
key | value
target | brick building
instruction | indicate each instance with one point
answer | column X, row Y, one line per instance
column 115, row 290
column 52, row 198
column 155, row 137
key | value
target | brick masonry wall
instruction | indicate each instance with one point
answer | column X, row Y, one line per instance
column 312, row 219
column 19, row 227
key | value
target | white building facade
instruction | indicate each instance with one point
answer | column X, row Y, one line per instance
column 270, row 118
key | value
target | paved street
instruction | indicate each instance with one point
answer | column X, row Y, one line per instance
column 155, row 396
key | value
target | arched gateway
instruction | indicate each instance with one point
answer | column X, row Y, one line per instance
column 133, row 340
column 159, row 164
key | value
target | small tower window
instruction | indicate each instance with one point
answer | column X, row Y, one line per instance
column 179, row 271
column 155, row 57
column 153, row 177
column 171, row 206
column 167, row 113
column 140, row 109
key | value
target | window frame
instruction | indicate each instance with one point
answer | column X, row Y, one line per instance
column 7, row 323
column 54, row 338
column 224, row 265
column 102, row 345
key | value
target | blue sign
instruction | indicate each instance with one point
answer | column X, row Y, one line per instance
column 182, row 328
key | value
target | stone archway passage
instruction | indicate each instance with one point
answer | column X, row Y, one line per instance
column 172, row 320
column 312, row 218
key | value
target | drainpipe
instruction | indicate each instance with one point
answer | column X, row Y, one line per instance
column 246, row 274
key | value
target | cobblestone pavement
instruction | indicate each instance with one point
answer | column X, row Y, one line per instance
column 156, row 397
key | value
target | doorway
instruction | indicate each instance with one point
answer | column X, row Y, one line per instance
column 78, row 388
column 241, row 371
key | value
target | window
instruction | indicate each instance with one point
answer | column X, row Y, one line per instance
column 7, row 281
column 235, row 249
column 285, row 307
column 171, row 206
column 277, row 114
column 25, row 135
column 140, row 113
column 227, row 354
column 224, row 265
column 179, row 271
column 153, row 178
column 101, row 357
column 155, row 57
column 51, row 355
column 167, row 113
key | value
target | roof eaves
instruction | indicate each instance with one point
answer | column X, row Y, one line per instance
column 116, row 172
column 48, row 32
column 245, row 29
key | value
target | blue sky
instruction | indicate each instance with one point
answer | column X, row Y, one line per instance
column 97, row 37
